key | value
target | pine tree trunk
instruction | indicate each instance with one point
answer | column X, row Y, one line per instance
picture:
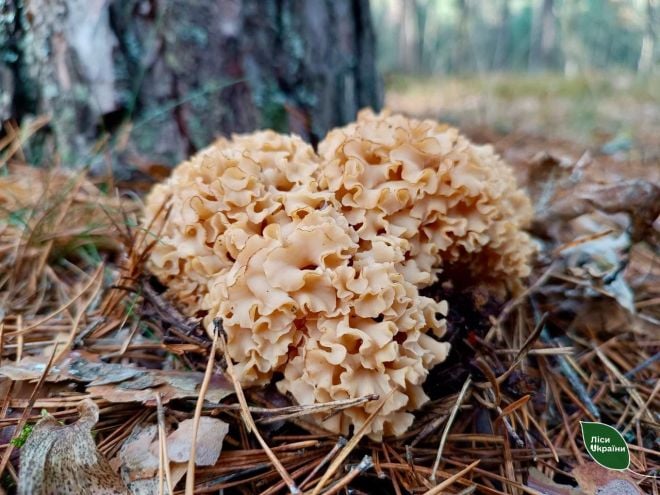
column 161, row 79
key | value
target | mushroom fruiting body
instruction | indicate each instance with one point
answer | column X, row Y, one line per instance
column 453, row 202
column 217, row 200
column 314, row 262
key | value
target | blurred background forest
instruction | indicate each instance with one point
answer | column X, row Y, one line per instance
column 582, row 70
column 154, row 81
column 468, row 36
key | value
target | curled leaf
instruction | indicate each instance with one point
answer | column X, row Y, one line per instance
column 63, row 459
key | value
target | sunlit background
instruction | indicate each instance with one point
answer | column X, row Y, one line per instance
column 584, row 70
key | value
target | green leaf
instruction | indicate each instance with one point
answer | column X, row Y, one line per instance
column 605, row 445
column 21, row 438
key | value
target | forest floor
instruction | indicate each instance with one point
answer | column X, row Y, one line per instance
column 81, row 318
column 608, row 112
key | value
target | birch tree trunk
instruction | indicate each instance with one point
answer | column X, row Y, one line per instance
column 160, row 79
column 543, row 42
column 646, row 59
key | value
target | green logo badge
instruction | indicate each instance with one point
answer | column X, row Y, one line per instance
column 605, row 445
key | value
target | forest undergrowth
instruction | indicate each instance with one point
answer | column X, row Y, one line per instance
column 81, row 319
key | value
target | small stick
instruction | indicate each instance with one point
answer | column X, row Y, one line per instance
column 19, row 340
column 643, row 365
column 247, row 417
column 365, row 463
column 161, row 462
column 525, row 348
column 340, row 443
column 2, row 340
column 332, row 408
column 281, row 413
column 450, row 421
column 190, row 475
column 545, row 351
column 350, row 446
column 580, row 240
column 436, row 490
column 163, row 454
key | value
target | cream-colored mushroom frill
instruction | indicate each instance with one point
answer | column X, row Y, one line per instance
column 450, row 201
column 314, row 262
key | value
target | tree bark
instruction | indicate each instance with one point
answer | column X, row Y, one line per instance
column 159, row 79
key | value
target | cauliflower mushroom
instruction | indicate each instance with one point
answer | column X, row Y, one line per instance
column 452, row 201
column 217, row 199
column 315, row 263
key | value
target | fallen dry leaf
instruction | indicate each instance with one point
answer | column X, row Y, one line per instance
column 619, row 487
column 541, row 483
column 138, row 461
column 638, row 198
column 600, row 263
column 174, row 385
column 597, row 480
column 138, row 458
column 135, row 458
column 210, row 435
column 63, row 459
column 121, row 383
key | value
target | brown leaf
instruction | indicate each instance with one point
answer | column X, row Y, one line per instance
column 172, row 385
column 121, row 383
column 541, row 483
column 138, row 458
column 64, row 459
column 210, row 436
column 638, row 197
column 597, row 480
column 138, row 461
column 31, row 368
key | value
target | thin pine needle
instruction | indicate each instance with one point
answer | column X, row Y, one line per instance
column 450, row 421
column 249, row 422
column 190, row 474
column 348, row 448
column 436, row 490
